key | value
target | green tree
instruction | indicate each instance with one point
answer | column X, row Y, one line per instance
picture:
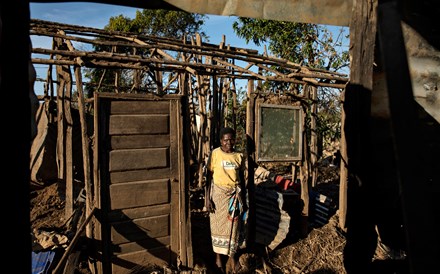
column 148, row 22
column 307, row 44
column 310, row 45
column 162, row 23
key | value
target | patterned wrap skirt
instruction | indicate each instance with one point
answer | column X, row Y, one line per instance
column 228, row 221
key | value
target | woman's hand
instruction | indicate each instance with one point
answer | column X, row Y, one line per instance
column 209, row 205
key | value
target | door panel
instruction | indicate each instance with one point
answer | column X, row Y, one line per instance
column 147, row 158
column 140, row 182
column 135, row 194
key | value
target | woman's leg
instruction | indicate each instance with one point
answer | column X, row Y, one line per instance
column 219, row 263
column 218, row 260
column 233, row 264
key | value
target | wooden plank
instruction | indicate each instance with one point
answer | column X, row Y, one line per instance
column 139, row 212
column 140, row 107
column 175, row 183
column 174, row 141
column 139, row 141
column 140, row 229
column 139, row 194
column 138, row 175
column 133, row 262
column 98, row 122
column 148, row 243
column 129, row 159
column 183, row 136
column 138, row 124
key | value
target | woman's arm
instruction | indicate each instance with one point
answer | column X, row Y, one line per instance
column 243, row 189
column 209, row 205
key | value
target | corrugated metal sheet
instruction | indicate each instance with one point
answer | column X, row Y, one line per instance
column 272, row 222
column 321, row 209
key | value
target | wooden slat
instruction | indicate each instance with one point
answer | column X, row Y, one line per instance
column 175, row 193
column 138, row 124
column 140, row 229
column 175, row 141
column 183, row 135
column 140, row 107
column 129, row 159
column 136, row 213
column 139, row 194
column 148, row 243
column 139, row 141
column 138, row 175
column 133, row 262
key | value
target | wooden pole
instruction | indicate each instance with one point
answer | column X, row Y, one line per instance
column 73, row 243
column 250, row 147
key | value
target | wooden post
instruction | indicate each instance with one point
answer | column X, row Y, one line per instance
column 70, row 190
column 215, row 113
column 250, row 147
column 85, row 147
column 65, row 132
column 234, row 105
column 356, row 102
column 305, row 178
column 356, row 216
column 314, row 135
column 250, row 112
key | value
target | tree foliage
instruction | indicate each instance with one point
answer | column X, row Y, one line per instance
column 161, row 23
column 309, row 45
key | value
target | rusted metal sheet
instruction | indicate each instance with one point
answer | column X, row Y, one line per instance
column 327, row 12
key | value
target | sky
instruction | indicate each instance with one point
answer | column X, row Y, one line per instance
column 97, row 15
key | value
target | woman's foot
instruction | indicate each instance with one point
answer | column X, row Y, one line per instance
column 219, row 265
column 233, row 266
column 219, row 269
column 236, row 267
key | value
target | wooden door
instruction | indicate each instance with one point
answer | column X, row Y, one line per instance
column 140, row 182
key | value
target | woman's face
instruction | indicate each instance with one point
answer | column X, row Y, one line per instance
column 227, row 143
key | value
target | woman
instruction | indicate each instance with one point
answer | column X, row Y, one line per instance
column 226, row 200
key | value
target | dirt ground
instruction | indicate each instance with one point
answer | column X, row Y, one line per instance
column 320, row 251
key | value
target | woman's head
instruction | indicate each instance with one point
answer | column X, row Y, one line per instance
column 227, row 139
